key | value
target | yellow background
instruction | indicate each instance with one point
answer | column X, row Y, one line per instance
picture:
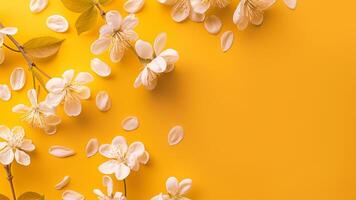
column 272, row 119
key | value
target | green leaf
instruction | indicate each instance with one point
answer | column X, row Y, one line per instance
column 78, row 5
column 30, row 196
column 3, row 197
column 104, row 1
column 86, row 20
column 42, row 47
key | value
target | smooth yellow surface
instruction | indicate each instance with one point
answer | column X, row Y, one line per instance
column 272, row 119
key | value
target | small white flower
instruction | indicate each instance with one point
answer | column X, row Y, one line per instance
column 250, row 11
column 176, row 190
column 14, row 146
column 201, row 6
column 39, row 115
column 156, row 61
column 70, row 90
column 123, row 158
column 108, row 183
column 182, row 9
column 115, row 35
column 5, row 31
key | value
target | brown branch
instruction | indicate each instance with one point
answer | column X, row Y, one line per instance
column 9, row 178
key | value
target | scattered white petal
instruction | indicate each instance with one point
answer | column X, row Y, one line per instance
column 100, row 67
column 160, row 42
column 17, row 78
column 226, row 40
column 292, row 4
column 62, row 183
column 133, row 6
column 212, row 24
column 130, row 123
column 92, row 147
column 175, row 135
column 60, row 151
column 5, row 93
column 37, row 6
column 72, row 195
column 196, row 17
column 57, row 23
column 103, row 101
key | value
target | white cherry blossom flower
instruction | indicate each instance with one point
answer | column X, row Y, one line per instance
column 116, row 35
column 250, row 11
column 182, row 9
column 39, row 115
column 156, row 61
column 15, row 146
column 201, row 6
column 176, row 190
column 123, row 158
column 70, row 90
column 5, row 31
column 108, row 183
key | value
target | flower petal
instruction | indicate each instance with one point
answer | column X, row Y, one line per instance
column 130, row 123
column 212, row 24
column 5, row 133
column 103, row 101
column 109, row 167
column 138, row 81
column 172, row 186
column 72, row 106
column 37, row 6
column 5, row 93
column 100, row 45
column 83, row 92
column 2, row 53
column 292, row 4
column 100, row 68
column 32, row 97
column 6, row 156
column 200, row 6
column 61, row 151
column 129, row 22
column 55, row 85
column 122, row 172
column 54, row 99
column 17, row 78
column 184, row 186
column 8, row 30
column 20, row 108
column 144, row 158
column 117, row 52
column 60, row 185
column 108, row 183
column 27, row 145
column 18, row 132
column 175, row 135
column 257, row 18
column 133, row 6
column 120, row 143
column 92, row 147
column 68, row 75
column 226, row 40
column 180, row 11
column 160, row 42
column 167, row 2
column 72, row 195
column 22, row 158
column 136, row 149
column 113, row 19
column 196, row 17
column 144, row 49
column 158, row 65
column 171, row 56
column 57, row 23
column 106, row 150
column 83, row 78
column 99, row 193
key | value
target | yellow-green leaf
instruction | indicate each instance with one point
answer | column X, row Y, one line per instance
column 78, row 5
column 104, row 1
column 42, row 47
column 30, row 196
column 3, row 197
column 86, row 20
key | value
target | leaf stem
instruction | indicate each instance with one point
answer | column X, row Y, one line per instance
column 9, row 178
column 12, row 49
column 125, row 193
column 102, row 12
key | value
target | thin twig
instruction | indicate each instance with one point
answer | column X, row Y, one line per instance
column 12, row 49
column 125, row 193
column 102, row 12
column 9, row 178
